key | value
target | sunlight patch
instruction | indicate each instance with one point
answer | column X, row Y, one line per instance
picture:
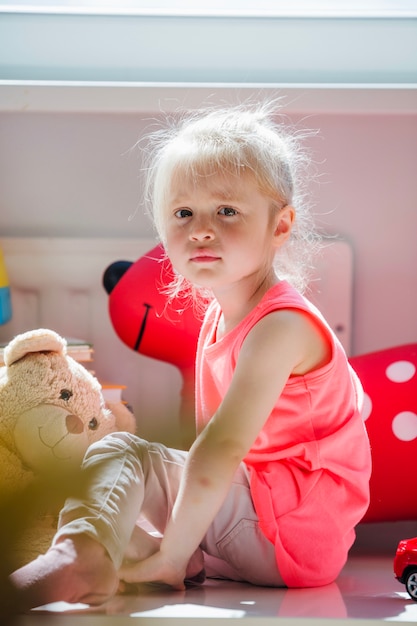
column 189, row 610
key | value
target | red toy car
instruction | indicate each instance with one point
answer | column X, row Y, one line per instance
column 405, row 565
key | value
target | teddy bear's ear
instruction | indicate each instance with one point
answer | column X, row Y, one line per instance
column 39, row 340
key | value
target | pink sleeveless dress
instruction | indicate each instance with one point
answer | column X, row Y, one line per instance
column 310, row 464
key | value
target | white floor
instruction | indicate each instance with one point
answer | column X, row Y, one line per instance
column 366, row 593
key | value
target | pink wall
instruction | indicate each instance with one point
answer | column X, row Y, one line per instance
column 68, row 174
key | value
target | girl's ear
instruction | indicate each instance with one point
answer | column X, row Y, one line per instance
column 283, row 224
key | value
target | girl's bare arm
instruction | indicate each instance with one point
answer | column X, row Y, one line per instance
column 280, row 344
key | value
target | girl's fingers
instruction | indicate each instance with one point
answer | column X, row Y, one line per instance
column 150, row 572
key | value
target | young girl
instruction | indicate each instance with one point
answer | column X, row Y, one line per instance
column 277, row 478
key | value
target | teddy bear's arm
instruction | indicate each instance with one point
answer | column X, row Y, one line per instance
column 124, row 419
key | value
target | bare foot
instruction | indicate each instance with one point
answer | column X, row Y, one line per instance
column 77, row 569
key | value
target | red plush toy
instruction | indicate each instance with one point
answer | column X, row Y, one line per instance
column 146, row 323
column 389, row 379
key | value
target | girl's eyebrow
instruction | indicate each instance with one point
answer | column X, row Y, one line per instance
column 221, row 194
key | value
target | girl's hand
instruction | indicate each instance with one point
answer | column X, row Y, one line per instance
column 157, row 568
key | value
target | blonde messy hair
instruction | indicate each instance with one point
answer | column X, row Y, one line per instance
column 234, row 140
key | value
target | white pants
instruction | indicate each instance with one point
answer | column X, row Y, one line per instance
column 131, row 479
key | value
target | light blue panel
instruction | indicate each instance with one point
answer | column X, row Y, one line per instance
column 207, row 49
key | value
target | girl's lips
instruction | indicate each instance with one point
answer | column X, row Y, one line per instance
column 204, row 257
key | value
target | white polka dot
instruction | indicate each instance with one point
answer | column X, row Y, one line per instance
column 400, row 371
column 404, row 426
column 367, row 407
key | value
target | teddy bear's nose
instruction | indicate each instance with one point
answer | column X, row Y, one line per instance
column 74, row 424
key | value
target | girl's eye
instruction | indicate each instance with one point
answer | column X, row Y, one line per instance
column 228, row 211
column 181, row 213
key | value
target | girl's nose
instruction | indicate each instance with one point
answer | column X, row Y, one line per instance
column 201, row 230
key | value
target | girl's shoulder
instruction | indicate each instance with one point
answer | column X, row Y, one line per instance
column 283, row 296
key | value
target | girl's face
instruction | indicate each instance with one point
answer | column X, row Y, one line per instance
column 222, row 231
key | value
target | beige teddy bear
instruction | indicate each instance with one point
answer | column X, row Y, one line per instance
column 51, row 410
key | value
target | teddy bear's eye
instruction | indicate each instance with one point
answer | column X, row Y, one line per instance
column 65, row 394
column 93, row 424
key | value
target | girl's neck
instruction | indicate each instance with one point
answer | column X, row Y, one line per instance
column 238, row 301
